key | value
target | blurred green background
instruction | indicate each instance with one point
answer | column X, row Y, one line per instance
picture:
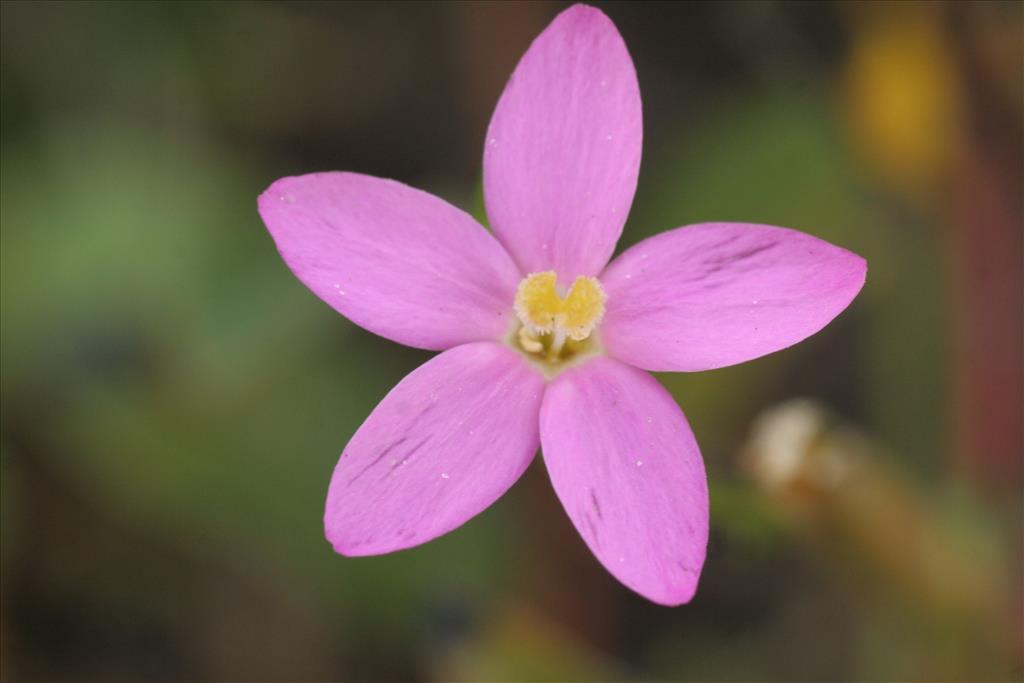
column 174, row 401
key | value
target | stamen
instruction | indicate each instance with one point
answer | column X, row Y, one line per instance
column 529, row 342
column 543, row 311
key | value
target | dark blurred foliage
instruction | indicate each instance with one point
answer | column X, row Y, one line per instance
column 173, row 400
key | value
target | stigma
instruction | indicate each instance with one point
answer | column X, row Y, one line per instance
column 554, row 326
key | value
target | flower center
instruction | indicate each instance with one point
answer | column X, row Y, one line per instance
column 556, row 328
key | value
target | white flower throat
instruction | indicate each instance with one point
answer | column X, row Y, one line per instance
column 556, row 329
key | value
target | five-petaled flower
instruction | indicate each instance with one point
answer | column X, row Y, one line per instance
column 545, row 343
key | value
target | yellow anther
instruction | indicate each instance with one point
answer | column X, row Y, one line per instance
column 529, row 342
column 543, row 311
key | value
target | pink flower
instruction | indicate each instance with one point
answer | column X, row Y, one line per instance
column 543, row 344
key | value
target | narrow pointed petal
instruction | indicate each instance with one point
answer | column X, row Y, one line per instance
column 563, row 149
column 442, row 446
column 627, row 469
column 394, row 260
column 716, row 294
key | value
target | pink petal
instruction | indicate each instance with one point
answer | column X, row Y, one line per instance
column 392, row 259
column 628, row 471
column 563, row 148
column 442, row 446
column 717, row 294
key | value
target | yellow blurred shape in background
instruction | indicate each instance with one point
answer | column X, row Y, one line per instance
column 902, row 95
column 522, row 644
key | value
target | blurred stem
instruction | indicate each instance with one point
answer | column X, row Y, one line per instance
column 838, row 491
